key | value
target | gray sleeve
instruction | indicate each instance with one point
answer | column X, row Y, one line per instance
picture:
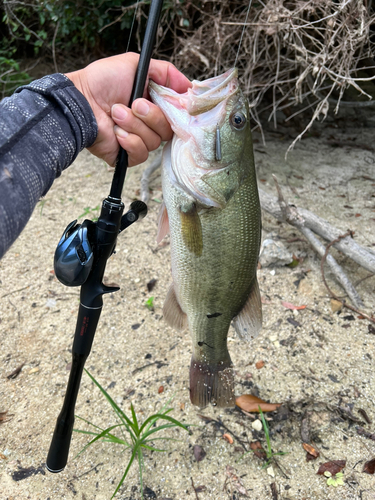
column 43, row 127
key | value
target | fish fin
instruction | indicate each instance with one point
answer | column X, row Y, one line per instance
column 163, row 223
column 172, row 312
column 211, row 384
column 191, row 229
column 249, row 321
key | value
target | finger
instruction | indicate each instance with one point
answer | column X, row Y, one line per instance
column 153, row 117
column 133, row 145
column 130, row 123
column 166, row 74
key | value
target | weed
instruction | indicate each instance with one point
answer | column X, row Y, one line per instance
column 90, row 211
column 150, row 303
column 335, row 480
column 270, row 455
column 136, row 437
column 41, row 204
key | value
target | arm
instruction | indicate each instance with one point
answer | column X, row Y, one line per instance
column 43, row 127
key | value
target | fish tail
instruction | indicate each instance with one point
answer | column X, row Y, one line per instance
column 211, row 384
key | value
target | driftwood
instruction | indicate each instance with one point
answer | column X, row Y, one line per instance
column 309, row 225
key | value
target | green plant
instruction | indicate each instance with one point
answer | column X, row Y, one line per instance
column 135, row 436
column 11, row 76
column 270, row 455
column 150, row 303
column 90, row 211
column 335, row 480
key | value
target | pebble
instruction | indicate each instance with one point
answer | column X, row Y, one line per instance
column 257, row 425
column 274, row 253
column 270, row 471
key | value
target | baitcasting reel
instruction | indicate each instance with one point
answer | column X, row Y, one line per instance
column 74, row 255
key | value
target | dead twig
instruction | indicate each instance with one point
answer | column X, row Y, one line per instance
column 195, row 491
column 15, row 373
column 292, row 216
column 365, row 257
column 343, row 302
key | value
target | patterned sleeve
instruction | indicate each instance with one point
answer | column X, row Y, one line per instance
column 43, row 127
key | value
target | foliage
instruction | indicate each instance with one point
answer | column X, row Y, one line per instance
column 11, row 76
column 270, row 455
column 135, row 436
column 335, row 480
column 298, row 57
column 64, row 25
column 150, row 303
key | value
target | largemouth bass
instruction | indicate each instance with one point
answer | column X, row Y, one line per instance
column 211, row 208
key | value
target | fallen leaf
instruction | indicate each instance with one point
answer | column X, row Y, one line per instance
column 200, row 488
column 275, row 495
column 151, row 284
column 293, row 322
column 288, row 305
column 199, row 453
column 3, row 416
column 336, row 305
column 333, row 467
column 251, row 404
column 259, row 364
column 369, row 467
column 258, row 450
column 228, row 438
column 235, row 480
column 310, row 450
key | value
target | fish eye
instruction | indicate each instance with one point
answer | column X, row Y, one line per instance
column 238, row 120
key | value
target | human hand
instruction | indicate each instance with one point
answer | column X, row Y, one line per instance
column 107, row 85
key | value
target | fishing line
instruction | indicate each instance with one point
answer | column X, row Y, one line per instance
column 132, row 26
column 243, row 31
column 92, row 199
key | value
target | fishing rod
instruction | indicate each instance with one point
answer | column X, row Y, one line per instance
column 81, row 257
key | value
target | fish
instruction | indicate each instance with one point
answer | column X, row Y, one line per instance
column 212, row 211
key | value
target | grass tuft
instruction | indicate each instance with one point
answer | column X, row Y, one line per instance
column 136, row 436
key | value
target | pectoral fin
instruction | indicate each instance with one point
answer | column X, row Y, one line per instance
column 172, row 312
column 249, row 321
column 191, row 229
column 163, row 223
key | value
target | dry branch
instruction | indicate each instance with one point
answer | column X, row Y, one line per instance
column 295, row 53
column 365, row 257
column 291, row 215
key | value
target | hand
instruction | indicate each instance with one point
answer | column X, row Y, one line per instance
column 107, row 85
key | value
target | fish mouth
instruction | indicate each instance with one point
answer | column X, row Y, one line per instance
column 202, row 96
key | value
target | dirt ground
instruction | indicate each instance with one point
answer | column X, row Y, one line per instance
column 318, row 363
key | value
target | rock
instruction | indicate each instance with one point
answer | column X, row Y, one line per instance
column 274, row 253
column 257, row 425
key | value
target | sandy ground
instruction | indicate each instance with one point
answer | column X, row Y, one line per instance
column 319, row 364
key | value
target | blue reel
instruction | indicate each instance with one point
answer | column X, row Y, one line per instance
column 74, row 256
